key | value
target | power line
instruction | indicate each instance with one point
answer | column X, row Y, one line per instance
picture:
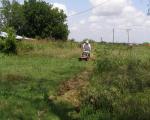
column 87, row 10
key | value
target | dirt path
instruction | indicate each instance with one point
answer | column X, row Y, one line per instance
column 69, row 91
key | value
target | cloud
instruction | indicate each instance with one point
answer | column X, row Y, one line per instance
column 61, row 7
column 82, row 22
column 94, row 18
column 64, row 8
column 73, row 28
column 116, row 10
column 110, row 8
column 118, row 14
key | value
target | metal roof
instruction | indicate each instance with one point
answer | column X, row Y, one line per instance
column 4, row 35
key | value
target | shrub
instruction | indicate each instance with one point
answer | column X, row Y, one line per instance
column 2, row 44
column 8, row 44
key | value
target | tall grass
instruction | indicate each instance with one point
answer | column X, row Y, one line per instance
column 29, row 78
column 120, row 86
column 50, row 49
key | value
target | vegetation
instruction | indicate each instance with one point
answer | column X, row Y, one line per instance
column 26, row 80
column 8, row 44
column 35, row 19
column 120, row 86
column 117, row 86
column 44, row 80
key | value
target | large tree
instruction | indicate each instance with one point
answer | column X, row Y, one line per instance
column 35, row 19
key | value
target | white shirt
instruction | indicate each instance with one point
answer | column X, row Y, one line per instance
column 86, row 47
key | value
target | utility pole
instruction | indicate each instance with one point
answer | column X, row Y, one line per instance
column 101, row 39
column 113, row 35
column 128, row 33
column 148, row 12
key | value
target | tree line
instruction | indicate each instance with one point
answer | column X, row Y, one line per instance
column 34, row 19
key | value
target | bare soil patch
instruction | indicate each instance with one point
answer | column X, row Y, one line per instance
column 69, row 91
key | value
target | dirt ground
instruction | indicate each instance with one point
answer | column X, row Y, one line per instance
column 69, row 91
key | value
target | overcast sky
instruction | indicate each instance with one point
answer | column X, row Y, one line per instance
column 99, row 22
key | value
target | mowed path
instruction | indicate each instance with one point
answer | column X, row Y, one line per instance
column 25, row 80
column 70, row 91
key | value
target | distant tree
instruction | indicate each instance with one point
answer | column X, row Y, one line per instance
column 31, row 1
column 90, row 40
column 35, row 19
column 18, row 20
column 72, row 40
column 13, row 16
column 5, row 12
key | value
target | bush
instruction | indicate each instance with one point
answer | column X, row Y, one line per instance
column 8, row 44
column 2, row 45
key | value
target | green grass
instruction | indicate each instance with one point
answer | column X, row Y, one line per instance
column 26, row 81
column 120, row 85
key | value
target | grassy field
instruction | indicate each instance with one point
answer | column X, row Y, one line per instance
column 118, row 86
column 35, row 73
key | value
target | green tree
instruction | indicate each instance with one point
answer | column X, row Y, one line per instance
column 35, row 19
column 18, row 20
column 5, row 12
column 12, row 15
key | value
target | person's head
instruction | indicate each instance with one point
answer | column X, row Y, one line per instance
column 87, row 42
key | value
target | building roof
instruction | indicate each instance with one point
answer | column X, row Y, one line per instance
column 4, row 35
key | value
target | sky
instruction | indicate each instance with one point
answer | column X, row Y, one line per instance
column 106, row 15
